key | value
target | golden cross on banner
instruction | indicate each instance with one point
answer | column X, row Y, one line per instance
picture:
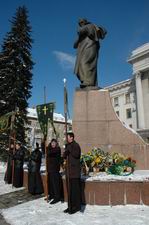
column 45, row 109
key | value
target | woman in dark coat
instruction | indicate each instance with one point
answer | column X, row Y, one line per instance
column 18, row 157
column 35, row 185
column 8, row 173
column 54, row 184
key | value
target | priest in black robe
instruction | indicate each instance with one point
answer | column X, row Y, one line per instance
column 17, row 174
column 72, row 155
column 35, row 185
column 54, row 179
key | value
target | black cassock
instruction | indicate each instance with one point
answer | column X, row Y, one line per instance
column 72, row 154
column 18, row 168
column 54, row 179
column 35, row 185
column 8, row 173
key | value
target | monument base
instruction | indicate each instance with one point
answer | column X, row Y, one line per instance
column 108, row 192
column 96, row 124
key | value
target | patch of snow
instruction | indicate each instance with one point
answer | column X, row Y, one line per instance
column 5, row 188
column 2, row 167
column 103, row 176
column 38, row 212
column 2, row 101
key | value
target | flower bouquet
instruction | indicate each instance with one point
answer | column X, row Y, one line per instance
column 121, row 165
column 97, row 160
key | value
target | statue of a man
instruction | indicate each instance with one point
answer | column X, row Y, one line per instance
column 87, row 45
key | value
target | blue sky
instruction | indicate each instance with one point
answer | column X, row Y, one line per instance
column 54, row 26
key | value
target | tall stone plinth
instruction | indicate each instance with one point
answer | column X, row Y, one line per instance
column 96, row 124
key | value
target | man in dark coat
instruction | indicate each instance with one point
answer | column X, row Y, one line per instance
column 87, row 45
column 18, row 157
column 8, row 173
column 35, row 185
column 72, row 155
column 54, row 184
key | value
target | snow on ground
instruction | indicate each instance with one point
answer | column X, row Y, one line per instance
column 138, row 175
column 5, row 188
column 2, row 167
column 38, row 212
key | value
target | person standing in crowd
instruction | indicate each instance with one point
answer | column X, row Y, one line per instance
column 53, row 164
column 35, row 185
column 18, row 157
column 72, row 155
column 8, row 173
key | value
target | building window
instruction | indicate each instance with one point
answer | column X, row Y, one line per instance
column 128, row 113
column 117, row 112
column 127, row 98
column 116, row 101
column 130, row 125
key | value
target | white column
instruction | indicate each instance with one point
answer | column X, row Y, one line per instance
column 140, row 108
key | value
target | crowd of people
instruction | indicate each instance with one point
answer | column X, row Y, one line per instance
column 54, row 159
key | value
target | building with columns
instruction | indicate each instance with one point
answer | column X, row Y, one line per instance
column 130, row 98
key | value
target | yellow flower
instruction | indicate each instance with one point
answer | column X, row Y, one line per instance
column 97, row 160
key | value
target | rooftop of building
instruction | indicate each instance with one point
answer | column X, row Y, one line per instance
column 124, row 82
column 57, row 116
column 138, row 52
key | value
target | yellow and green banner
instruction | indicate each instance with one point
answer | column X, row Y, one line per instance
column 5, row 122
column 45, row 115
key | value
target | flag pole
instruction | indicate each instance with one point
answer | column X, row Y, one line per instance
column 45, row 97
column 66, row 139
column 14, row 142
column 46, row 158
column 65, row 107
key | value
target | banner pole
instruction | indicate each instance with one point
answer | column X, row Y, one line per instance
column 14, row 143
column 46, row 175
column 66, row 139
column 44, row 113
column 65, row 107
column 46, row 158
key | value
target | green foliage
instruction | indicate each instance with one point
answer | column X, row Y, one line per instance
column 115, row 169
column 15, row 72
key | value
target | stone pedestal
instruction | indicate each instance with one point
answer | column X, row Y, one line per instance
column 96, row 124
column 107, row 192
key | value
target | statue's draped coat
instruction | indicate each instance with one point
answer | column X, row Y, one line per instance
column 87, row 55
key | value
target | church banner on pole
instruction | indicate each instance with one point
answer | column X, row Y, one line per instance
column 45, row 115
column 5, row 121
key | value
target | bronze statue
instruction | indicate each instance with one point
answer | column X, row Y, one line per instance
column 88, row 45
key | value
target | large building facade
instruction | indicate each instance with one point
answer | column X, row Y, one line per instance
column 130, row 98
